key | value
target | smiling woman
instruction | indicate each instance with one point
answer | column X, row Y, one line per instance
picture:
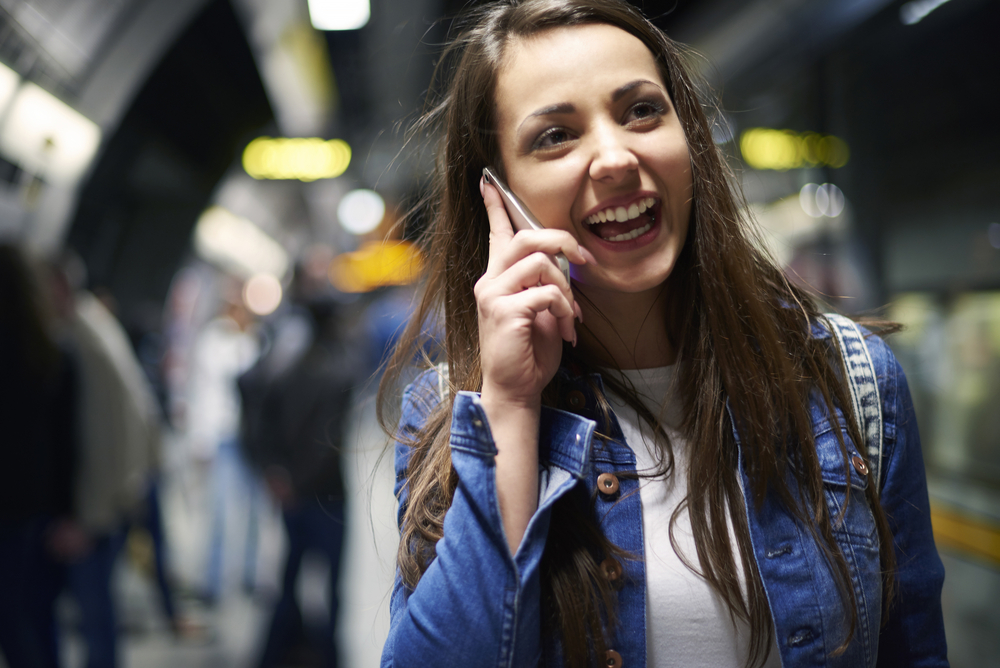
column 658, row 461
column 587, row 128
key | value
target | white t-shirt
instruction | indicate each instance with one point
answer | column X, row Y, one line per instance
column 687, row 622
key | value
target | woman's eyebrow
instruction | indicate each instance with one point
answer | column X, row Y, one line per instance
column 567, row 108
column 622, row 91
column 561, row 108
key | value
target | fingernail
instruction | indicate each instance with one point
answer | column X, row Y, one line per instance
column 587, row 255
column 482, row 186
column 578, row 312
column 574, row 338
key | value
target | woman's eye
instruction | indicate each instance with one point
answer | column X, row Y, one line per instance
column 552, row 137
column 644, row 111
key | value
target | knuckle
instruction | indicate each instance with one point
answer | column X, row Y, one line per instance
column 539, row 260
column 479, row 288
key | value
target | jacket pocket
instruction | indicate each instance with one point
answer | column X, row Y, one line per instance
column 845, row 484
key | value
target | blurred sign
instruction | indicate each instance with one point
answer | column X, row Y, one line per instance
column 45, row 136
column 306, row 159
column 376, row 264
column 764, row 148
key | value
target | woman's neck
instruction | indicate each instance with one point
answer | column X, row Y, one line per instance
column 626, row 330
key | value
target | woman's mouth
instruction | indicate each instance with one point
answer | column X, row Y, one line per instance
column 623, row 223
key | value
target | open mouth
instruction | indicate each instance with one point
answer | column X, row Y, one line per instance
column 623, row 223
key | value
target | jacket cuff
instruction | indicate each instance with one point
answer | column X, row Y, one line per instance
column 470, row 430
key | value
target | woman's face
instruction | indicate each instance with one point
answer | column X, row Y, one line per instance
column 590, row 141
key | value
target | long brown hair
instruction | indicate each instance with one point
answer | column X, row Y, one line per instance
column 743, row 331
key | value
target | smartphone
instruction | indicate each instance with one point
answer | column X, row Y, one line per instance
column 519, row 215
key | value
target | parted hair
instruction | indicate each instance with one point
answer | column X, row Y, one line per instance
column 742, row 331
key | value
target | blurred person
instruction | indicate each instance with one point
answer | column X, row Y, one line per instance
column 298, row 399
column 118, row 440
column 149, row 518
column 225, row 348
column 37, row 457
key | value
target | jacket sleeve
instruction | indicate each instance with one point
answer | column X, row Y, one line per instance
column 476, row 605
column 913, row 633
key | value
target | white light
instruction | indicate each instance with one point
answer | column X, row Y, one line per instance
column 914, row 12
column 238, row 245
column 48, row 137
column 262, row 294
column 993, row 233
column 8, row 85
column 830, row 200
column 339, row 14
column 360, row 211
column 807, row 198
column 825, row 200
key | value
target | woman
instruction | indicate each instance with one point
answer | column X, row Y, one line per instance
column 670, row 481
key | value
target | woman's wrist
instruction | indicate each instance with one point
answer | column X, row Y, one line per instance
column 514, row 424
column 496, row 398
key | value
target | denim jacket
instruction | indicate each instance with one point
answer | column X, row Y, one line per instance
column 478, row 605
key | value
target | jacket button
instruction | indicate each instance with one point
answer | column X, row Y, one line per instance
column 613, row 659
column 612, row 569
column 607, row 483
column 859, row 465
column 576, row 400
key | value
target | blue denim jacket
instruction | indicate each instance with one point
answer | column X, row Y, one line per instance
column 478, row 605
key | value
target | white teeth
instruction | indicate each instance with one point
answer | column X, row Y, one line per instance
column 628, row 236
column 621, row 214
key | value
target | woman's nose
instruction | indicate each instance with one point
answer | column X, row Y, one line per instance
column 612, row 161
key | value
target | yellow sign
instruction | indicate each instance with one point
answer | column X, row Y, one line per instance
column 764, row 148
column 306, row 159
column 376, row 264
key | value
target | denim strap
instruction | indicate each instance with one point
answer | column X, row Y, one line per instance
column 442, row 371
column 860, row 373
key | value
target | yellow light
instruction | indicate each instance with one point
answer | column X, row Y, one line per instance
column 765, row 148
column 306, row 159
column 376, row 264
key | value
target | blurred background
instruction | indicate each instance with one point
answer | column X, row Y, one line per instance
column 199, row 203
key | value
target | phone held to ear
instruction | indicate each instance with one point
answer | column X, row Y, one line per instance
column 519, row 215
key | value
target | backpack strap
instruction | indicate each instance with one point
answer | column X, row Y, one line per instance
column 442, row 372
column 860, row 373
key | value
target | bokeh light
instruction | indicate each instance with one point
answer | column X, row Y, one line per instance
column 765, row 148
column 305, row 159
column 822, row 200
column 360, row 211
column 339, row 14
column 262, row 294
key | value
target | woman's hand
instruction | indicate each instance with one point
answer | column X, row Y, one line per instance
column 526, row 309
column 526, row 306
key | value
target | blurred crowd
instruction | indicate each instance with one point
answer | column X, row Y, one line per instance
column 264, row 412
